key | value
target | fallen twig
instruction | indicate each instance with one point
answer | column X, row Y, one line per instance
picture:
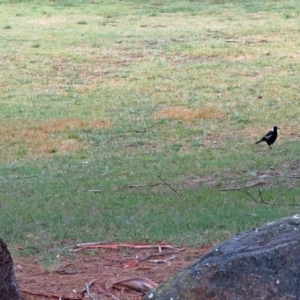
column 262, row 201
column 108, row 286
column 90, row 244
column 160, row 254
column 136, row 260
column 120, row 245
column 162, row 260
column 159, row 176
column 248, row 193
column 87, row 289
column 131, row 186
column 101, row 290
column 242, row 186
column 130, row 263
column 142, row 185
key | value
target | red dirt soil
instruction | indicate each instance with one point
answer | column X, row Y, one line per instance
column 106, row 265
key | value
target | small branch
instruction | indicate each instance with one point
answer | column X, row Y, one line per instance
column 131, row 186
column 95, row 191
column 159, row 176
column 262, row 201
column 121, row 245
column 87, row 289
column 261, row 198
column 273, row 202
column 167, row 260
column 90, row 244
column 108, row 285
column 160, row 254
column 248, row 193
column 142, row 185
column 242, row 186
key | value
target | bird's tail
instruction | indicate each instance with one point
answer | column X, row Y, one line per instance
column 258, row 142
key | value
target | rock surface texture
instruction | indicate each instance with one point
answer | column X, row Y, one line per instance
column 262, row 264
column 8, row 286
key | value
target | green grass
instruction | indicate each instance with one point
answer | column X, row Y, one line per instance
column 109, row 95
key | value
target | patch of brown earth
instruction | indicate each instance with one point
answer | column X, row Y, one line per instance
column 71, row 275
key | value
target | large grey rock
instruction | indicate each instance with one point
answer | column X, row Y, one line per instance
column 8, row 286
column 262, row 264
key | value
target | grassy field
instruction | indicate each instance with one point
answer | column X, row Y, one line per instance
column 123, row 120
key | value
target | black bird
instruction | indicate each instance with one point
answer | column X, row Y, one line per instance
column 270, row 137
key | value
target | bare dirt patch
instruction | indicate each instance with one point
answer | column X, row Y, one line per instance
column 71, row 275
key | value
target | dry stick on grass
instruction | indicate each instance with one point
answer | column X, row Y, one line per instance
column 159, row 176
column 131, row 186
column 262, row 201
column 242, row 186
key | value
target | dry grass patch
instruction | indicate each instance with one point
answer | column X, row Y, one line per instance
column 32, row 139
column 185, row 113
column 49, row 20
column 83, row 77
column 67, row 124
